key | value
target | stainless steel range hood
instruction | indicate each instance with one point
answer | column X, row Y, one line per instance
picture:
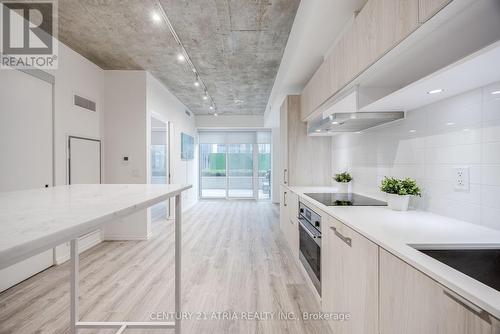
column 351, row 122
column 343, row 116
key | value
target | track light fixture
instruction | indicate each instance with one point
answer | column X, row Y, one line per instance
column 183, row 56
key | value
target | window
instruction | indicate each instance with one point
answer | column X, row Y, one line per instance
column 235, row 164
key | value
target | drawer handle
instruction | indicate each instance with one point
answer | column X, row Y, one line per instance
column 347, row 240
column 468, row 305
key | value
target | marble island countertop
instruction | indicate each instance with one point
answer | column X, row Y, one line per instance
column 32, row 221
column 397, row 232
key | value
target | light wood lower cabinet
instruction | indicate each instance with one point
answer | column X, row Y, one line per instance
column 293, row 224
column 349, row 278
column 413, row 303
column 289, row 207
column 284, row 216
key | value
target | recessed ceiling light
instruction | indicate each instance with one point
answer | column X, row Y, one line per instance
column 435, row 91
column 495, row 92
column 205, row 97
column 155, row 17
column 211, row 108
column 197, row 83
column 413, row 131
column 215, row 114
column 181, row 58
column 358, row 132
column 335, row 122
column 450, row 123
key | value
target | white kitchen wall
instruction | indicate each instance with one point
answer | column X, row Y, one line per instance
column 462, row 131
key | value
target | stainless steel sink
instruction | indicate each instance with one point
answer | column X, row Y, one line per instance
column 479, row 262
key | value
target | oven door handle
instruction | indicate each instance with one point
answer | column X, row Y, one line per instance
column 304, row 224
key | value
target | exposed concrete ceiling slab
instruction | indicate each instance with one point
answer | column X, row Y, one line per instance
column 236, row 45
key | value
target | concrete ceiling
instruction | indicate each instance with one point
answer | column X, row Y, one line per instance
column 236, row 45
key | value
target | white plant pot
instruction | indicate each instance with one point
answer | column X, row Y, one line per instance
column 398, row 202
column 344, row 187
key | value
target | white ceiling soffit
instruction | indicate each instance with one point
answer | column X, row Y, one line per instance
column 317, row 26
column 479, row 69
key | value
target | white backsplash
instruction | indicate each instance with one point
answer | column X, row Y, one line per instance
column 460, row 131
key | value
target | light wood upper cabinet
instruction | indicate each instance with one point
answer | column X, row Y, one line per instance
column 381, row 25
column 316, row 91
column 427, row 8
column 344, row 61
column 305, row 160
column 349, row 278
column 413, row 303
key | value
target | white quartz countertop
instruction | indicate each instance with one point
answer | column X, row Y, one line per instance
column 396, row 231
column 32, row 221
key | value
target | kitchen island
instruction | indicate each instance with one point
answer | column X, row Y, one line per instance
column 32, row 221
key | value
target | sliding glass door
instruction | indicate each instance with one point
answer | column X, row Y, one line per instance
column 240, row 171
column 235, row 164
column 213, row 173
column 264, row 171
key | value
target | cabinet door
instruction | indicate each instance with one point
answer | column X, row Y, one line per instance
column 412, row 303
column 283, row 176
column 306, row 101
column 284, row 218
column 427, row 8
column 349, row 278
column 381, row 25
column 344, row 61
column 320, row 85
column 293, row 226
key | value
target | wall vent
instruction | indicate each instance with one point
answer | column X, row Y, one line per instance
column 187, row 113
column 84, row 103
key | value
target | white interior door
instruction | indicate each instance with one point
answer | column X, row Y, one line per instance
column 26, row 151
column 84, row 161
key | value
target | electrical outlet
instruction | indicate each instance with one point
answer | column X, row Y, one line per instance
column 462, row 182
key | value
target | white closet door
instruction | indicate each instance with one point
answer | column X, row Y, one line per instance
column 85, row 161
column 25, row 151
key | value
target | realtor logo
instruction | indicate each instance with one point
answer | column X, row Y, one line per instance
column 27, row 34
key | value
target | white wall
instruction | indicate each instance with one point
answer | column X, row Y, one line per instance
column 229, row 121
column 75, row 75
column 460, row 131
column 126, row 131
column 160, row 102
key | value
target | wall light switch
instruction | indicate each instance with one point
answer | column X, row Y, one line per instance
column 462, row 180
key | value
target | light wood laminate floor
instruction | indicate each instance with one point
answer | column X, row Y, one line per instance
column 234, row 260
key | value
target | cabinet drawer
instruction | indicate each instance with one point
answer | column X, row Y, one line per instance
column 413, row 303
column 350, row 278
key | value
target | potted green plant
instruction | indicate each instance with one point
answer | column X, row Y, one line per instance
column 399, row 192
column 343, row 182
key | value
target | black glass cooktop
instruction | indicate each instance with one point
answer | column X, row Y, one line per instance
column 344, row 199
